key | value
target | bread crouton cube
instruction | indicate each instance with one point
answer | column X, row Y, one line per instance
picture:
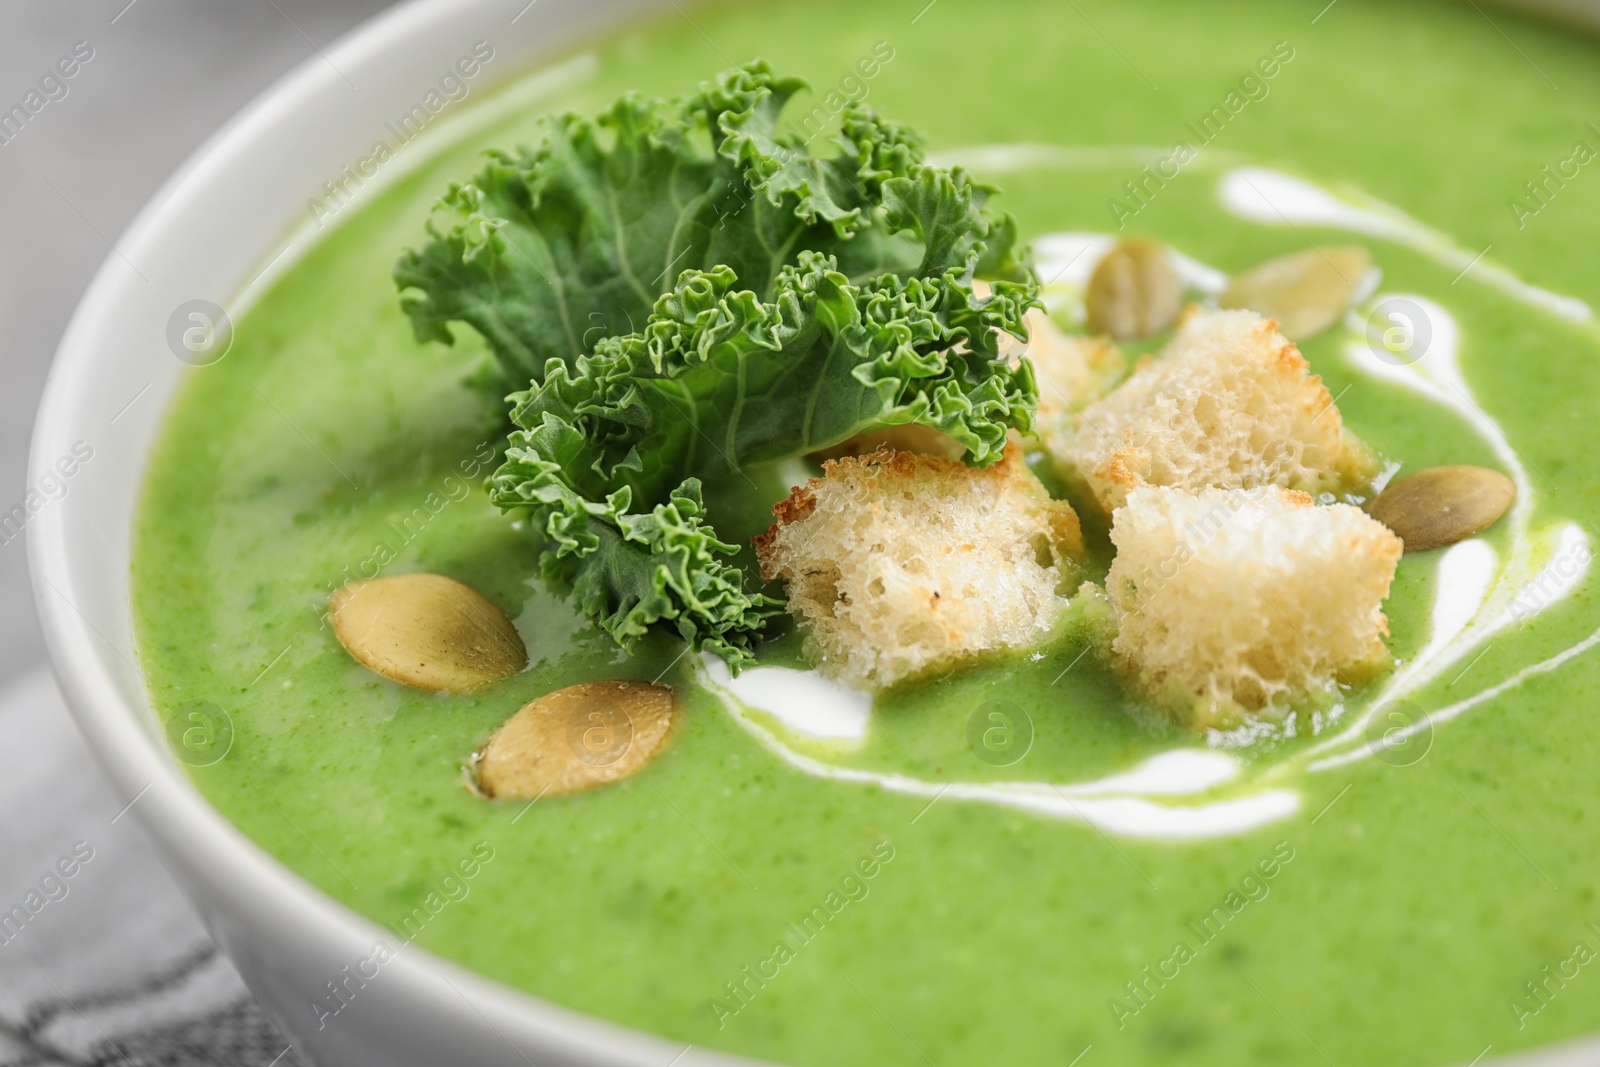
column 897, row 563
column 1072, row 371
column 1230, row 602
column 908, row 437
column 1230, row 404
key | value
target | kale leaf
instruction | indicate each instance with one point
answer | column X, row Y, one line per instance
column 549, row 249
column 691, row 292
column 610, row 454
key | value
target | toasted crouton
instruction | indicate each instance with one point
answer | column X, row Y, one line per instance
column 1072, row 370
column 899, row 563
column 1246, row 600
column 910, row 437
column 1229, row 404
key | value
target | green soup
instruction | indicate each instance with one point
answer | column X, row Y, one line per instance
column 902, row 897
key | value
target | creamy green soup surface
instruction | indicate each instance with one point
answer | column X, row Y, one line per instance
column 1402, row 910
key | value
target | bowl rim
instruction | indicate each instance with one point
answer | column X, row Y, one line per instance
column 187, row 828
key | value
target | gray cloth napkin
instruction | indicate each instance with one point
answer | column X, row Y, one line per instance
column 102, row 959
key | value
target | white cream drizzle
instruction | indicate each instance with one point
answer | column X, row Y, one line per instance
column 1469, row 626
column 1475, row 599
column 1066, row 260
column 1118, row 803
column 1273, row 198
column 1034, row 156
column 1465, row 573
column 807, row 703
column 1198, row 793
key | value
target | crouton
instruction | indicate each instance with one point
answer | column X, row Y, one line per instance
column 1229, row 404
column 1228, row 602
column 1072, row 371
column 899, row 563
column 909, row 437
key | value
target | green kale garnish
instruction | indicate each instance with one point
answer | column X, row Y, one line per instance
column 691, row 292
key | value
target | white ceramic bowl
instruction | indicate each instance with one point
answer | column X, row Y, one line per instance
column 206, row 235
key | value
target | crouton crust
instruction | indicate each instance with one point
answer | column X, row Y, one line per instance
column 910, row 437
column 1072, row 372
column 1228, row 603
column 898, row 563
column 1229, row 404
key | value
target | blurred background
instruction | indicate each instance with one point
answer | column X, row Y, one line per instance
column 119, row 970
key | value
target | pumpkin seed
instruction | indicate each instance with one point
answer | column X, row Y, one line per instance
column 1134, row 292
column 427, row 631
column 577, row 738
column 1305, row 291
column 1443, row 505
